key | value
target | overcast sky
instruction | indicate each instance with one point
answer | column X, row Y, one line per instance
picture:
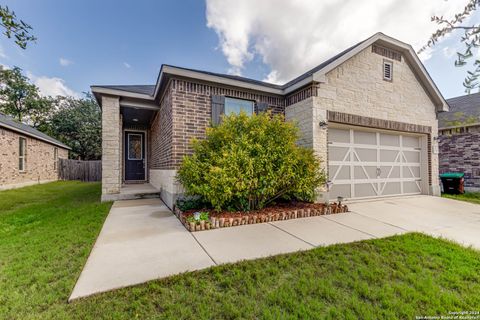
column 87, row 42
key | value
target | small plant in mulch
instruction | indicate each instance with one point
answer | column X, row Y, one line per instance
column 197, row 221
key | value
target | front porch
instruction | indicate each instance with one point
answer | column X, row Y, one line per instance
column 132, row 150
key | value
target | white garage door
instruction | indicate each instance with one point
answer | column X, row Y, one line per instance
column 364, row 164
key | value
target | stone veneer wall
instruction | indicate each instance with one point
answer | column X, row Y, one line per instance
column 40, row 162
column 460, row 152
column 357, row 87
column 111, row 146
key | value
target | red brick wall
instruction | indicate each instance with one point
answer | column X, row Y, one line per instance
column 161, row 134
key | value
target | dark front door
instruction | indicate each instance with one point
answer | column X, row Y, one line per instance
column 134, row 155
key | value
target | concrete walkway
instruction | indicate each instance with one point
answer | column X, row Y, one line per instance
column 142, row 240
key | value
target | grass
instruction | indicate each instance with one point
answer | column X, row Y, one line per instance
column 46, row 233
column 473, row 197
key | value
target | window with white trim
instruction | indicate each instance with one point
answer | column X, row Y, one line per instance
column 387, row 70
column 233, row 105
column 22, row 153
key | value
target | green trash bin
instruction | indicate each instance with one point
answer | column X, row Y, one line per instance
column 453, row 182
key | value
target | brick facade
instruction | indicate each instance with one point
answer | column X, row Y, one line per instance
column 185, row 113
column 39, row 163
column 460, row 152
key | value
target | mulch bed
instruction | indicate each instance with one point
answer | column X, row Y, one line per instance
column 222, row 219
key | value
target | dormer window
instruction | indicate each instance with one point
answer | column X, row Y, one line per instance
column 387, row 70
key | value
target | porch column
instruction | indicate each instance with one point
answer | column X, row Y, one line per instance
column 111, row 147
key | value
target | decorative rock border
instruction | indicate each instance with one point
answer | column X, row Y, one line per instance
column 231, row 219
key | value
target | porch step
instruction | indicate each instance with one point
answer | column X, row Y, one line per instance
column 138, row 191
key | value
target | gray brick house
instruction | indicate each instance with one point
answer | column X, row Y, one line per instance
column 459, row 139
column 370, row 113
column 27, row 156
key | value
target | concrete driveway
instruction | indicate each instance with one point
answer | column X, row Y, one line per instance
column 142, row 240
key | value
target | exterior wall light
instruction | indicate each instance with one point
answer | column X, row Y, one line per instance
column 323, row 124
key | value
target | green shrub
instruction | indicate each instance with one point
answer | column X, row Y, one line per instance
column 247, row 162
column 186, row 203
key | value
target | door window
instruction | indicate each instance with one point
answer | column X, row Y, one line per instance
column 134, row 146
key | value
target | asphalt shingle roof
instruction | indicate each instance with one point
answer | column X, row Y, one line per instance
column 463, row 110
column 10, row 123
column 142, row 89
column 150, row 89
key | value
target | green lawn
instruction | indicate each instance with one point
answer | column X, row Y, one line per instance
column 47, row 231
column 473, row 197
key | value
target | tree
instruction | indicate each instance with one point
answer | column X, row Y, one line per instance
column 470, row 39
column 15, row 28
column 21, row 99
column 78, row 124
column 246, row 163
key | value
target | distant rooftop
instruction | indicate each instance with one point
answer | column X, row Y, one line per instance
column 14, row 125
column 463, row 110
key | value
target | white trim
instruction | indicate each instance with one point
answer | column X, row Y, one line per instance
column 124, row 136
column 33, row 136
column 118, row 92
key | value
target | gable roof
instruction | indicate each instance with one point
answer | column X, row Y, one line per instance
column 14, row 125
column 316, row 74
column 464, row 110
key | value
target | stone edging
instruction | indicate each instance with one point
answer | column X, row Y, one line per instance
column 258, row 217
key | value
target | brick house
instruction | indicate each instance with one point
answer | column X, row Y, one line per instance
column 27, row 156
column 370, row 113
column 459, row 139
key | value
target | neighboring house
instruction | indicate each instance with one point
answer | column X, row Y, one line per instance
column 459, row 139
column 27, row 156
column 369, row 112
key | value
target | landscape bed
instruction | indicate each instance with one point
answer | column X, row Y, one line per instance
column 200, row 220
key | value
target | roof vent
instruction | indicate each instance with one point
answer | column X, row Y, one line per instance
column 387, row 70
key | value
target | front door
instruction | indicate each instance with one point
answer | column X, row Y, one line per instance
column 134, row 155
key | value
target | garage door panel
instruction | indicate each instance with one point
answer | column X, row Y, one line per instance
column 342, row 190
column 389, row 172
column 365, row 155
column 389, row 140
column 337, row 153
column 373, row 163
column 411, row 172
column 391, row 188
column 364, row 172
column 339, row 172
column 364, row 190
column 411, row 142
column 411, row 187
column 339, row 135
column 412, row 156
column 364, row 137
column 388, row 155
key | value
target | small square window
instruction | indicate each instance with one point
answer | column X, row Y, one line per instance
column 387, row 70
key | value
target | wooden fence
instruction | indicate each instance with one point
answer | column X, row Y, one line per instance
column 69, row 169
